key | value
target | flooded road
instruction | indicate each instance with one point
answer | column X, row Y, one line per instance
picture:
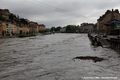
column 50, row 57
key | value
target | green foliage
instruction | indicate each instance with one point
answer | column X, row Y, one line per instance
column 57, row 29
column 2, row 18
column 24, row 21
column 72, row 28
column 12, row 17
column 52, row 29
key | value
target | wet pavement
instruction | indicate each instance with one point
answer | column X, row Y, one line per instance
column 50, row 57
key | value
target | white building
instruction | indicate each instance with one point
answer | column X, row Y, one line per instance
column 63, row 30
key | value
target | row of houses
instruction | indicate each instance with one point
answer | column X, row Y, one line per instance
column 83, row 28
column 11, row 25
column 108, row 23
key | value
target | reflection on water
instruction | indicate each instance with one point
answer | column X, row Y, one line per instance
column 49, row 57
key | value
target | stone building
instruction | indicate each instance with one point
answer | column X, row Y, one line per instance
column 11, row 29
column 33, row 27
column 41, row 28
column 87, row 27
column 3, row 28
column 105, row 22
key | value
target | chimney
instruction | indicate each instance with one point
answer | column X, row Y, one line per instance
column 112, row 10
column 116, row 10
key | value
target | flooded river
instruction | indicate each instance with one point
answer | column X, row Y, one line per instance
column 50, row 57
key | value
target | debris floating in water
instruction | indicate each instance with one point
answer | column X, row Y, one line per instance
column 93, row 58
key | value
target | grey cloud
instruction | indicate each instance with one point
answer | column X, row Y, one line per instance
column 60, row 12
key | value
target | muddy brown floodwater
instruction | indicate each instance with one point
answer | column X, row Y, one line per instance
column 50, row 57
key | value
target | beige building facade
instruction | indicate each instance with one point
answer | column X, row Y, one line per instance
column 103, row 23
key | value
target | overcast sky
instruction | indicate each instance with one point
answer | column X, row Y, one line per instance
column 60, row 12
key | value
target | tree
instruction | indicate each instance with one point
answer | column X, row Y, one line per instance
column 2, row 18
column 24, row 21
column 57, row 29
column 72, row 29
column 52, row 29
